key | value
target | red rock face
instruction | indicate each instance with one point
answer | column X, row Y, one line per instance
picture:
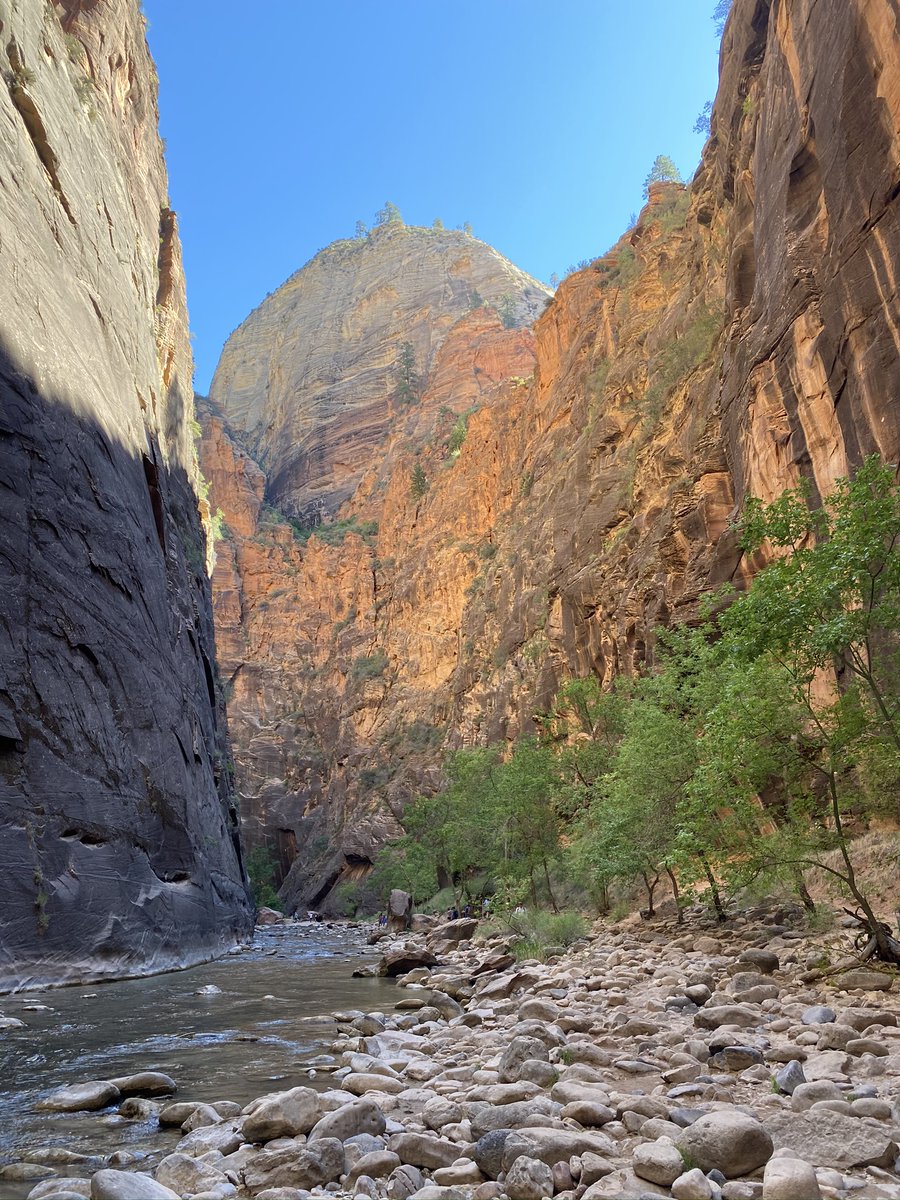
column 741, row 335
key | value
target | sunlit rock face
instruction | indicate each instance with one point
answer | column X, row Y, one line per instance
column 119, row 852
column 308, row 378
column 741, row 335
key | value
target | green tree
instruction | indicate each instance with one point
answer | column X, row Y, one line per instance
column 467, row 227
column 438, row 225
column 554, row 280
column 408, row 383
column 720, row 15
column 507, row 310
column 418, row 483
column 389, row 215
column 702, row 124
column 360, row 230
column 662, row 171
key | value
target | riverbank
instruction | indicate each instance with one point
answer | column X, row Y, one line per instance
column 697, row 1063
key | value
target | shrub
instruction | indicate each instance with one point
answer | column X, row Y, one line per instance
column 369, row 666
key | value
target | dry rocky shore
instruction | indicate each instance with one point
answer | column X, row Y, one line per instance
column 695, row 1062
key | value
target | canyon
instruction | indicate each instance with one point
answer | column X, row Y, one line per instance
column 399, row 579
column 120, row 852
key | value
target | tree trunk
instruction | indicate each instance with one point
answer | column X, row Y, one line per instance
column 713, row 887
column 676, row 895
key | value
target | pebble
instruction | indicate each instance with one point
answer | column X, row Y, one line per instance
column 635, row 1063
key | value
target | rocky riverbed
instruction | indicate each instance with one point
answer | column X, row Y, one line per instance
column 695, row 1063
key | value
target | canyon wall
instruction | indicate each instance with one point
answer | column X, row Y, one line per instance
column 120, row 850
column 743, row 334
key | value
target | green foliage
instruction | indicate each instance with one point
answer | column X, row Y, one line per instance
column 720, row 15
column 702, row 124
column 678, row 358
column 369, row 666
column 389, row 215
column 507, row 310
column 457, row 435
column 438, row 225
column 333, row 533
column 360, row 230
column 261, row 868
column 409, row 385
column 418, row 482
column 662, row 171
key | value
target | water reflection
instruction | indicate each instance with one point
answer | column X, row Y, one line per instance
column 258, row 1032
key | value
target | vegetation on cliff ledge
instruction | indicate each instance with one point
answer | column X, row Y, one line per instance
column 766, row 736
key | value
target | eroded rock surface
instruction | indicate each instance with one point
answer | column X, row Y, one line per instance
column 119, row 850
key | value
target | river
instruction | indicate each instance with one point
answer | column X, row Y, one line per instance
column 262, row 1031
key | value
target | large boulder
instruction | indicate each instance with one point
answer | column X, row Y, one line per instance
column 830, row 1139
column 528, row 1179
column 295, row 1165
column 790, row 1179
column 145, row 1083
column 128, row 1185
column 729, row 1141
column 282, row 1114
column 185, row 1175
column 81, row 1097
column 400, row 959
column 399, row 914
column 360, row 1116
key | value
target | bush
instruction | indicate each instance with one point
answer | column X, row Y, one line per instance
column 332, row 533
column 369, row 666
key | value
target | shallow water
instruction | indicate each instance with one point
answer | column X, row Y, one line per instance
column 259, row 1034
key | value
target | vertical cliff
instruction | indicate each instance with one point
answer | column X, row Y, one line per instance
column 743, row 334
column 120, row 851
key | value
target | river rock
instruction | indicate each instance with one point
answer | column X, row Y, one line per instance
column 488, row 1152
column 176, row 1114
column 805, row 1095
column 295, row 1164
column 359, row 1084
column 440, row 1112
column 146, row 1083
column 510, row 1116
column 692, row 1185
column 137, row 1108
column 399, row 910
column 224, row 1138
column 863, row 980
column 405, row 958
column 377, row 1165
column 68, row 1184
column 727, row 1014
column 589, row 1113
column 528, row 1179
column 424, row 1150
column 790, row 1077
column 186, row 1175
column 830, row 1139
column 659, row 1162
column 405, row 1180
column 765, row 961
column 735, row 1058
column 516, row 1053
column 360, row 1116
column 81, row 1097
column 282, row 1114
column 201, row 1116
column 128, row 1185
column 728, row 1141
column 790, row 1179
column 558, row 1145
column 818, row 1014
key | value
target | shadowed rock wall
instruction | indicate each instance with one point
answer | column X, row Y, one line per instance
column 120, row 851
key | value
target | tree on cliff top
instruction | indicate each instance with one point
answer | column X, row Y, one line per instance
column 662, row 171
column 389, row 215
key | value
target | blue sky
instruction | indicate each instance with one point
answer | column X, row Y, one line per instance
column 286, row 121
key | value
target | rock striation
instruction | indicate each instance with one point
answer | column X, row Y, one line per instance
column 741, row 336
column 120, row 846
column 310, row 379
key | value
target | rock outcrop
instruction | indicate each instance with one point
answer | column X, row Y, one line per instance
column 310, row 379
column 743, row 334
column 120, row 849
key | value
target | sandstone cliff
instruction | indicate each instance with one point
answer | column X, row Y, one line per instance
column 310, row 378
column 119, row 852
column 742, row 334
